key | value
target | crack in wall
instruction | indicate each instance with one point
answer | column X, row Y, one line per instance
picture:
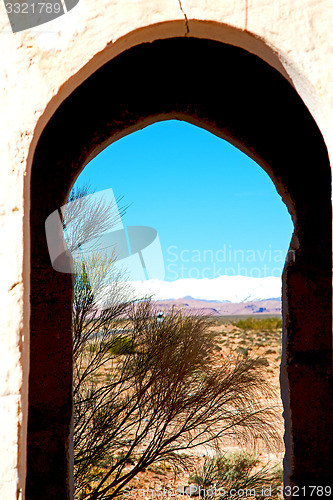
column 185, row 17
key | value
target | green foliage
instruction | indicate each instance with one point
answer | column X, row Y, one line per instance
column 121, row 346
column 261, row 324
column 118, row 346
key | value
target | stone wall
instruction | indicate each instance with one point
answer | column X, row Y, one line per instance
column 41, row 67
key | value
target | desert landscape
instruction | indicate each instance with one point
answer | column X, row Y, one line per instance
column 250, row 470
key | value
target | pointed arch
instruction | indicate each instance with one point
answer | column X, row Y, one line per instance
column 242, row 98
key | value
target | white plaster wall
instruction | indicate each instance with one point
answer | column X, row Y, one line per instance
column 40, row 67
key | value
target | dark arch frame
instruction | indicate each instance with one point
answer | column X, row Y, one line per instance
column 237, row 96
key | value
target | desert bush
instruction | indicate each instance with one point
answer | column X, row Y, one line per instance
column 261, row 324
column 122, row 346
column 240, row 471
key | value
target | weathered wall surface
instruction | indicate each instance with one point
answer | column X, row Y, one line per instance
column 41, row 66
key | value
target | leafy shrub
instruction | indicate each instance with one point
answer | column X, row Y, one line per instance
column 122, row 345
column 262, row 324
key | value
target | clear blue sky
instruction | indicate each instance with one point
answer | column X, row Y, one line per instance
column 216, row 211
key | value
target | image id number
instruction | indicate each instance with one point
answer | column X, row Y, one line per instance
column 36, row 7
column 305, row 491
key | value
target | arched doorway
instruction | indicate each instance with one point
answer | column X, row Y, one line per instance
column 237, row 96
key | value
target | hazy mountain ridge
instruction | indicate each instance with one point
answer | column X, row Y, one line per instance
column 215, row 308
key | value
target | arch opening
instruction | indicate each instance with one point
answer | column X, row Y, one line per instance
column 254, row 107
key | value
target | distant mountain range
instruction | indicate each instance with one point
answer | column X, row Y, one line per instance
column 211, row 308
column 233, row 289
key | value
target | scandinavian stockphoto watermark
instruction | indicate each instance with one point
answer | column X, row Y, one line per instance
column 225, row 261
column 32, row 13
column 137, row 249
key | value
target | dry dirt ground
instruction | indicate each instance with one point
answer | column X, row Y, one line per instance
column 160, row 481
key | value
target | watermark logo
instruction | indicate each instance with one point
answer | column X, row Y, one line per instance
column 183, row 263
column 32, row 13
column 136, row 250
